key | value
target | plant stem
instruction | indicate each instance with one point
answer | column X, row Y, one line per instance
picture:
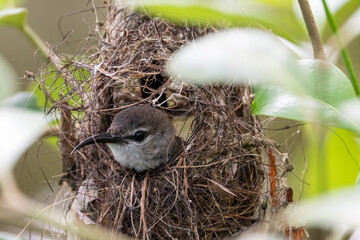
column 344, row 52
column 314, row 35
column 36, row 40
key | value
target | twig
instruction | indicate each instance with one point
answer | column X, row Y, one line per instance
column 314, row 35
column 142, row 206
column 272, row 178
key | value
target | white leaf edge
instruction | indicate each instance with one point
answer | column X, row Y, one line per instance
column 20, row 129
column 235, row 56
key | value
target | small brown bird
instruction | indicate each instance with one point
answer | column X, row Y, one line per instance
column 140, row 138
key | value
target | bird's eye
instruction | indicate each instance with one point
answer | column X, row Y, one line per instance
column 139, row 136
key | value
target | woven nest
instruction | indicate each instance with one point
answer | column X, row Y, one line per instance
column 215, row 188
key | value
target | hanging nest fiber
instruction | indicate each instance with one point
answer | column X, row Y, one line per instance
column 216, row 187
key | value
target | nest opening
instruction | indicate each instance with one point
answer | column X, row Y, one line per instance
column 211, row 190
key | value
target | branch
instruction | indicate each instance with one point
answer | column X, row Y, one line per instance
column 314, row 35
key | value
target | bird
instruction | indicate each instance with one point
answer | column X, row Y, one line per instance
column 140, row 137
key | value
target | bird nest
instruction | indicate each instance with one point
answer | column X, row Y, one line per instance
column 215, row 188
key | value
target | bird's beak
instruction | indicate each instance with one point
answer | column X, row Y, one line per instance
column 99, row 138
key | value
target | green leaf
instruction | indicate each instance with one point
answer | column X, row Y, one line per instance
column 13, row 17
column 8, row 79
column 19, row 129
column 332, row 159
column 22, row 100
column 235, row 56
column 326, row 88
column 342, row 152
column 278, row 16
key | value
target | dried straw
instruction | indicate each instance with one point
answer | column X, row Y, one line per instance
column 215, row 188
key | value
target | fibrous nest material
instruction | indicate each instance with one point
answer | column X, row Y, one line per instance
column 215, row 188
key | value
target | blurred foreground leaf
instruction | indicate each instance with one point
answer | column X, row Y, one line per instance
column 19, row 129
column 278, row 16
column 21, row 100
column 335, row 210
column 13, row 17
column 326, row 88
column 308, row 90
column 235, row 56
column 351, row 109
column 8, row 236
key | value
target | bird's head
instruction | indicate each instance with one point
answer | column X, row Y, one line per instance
column 140, row 137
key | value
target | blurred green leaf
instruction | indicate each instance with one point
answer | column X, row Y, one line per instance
column 342, row 158
column 326, row 88
column 235, row 56
column 13, row 17
column 277, row 16
column 22, row 100
column 8, row 79
column 287, row 4
column 19, row 129
column 333, row 161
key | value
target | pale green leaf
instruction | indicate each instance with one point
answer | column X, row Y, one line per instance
column 330, row 157
column 22, row 100
column 351, row 109
column 13, row 17
column 325, row 89
column 8, row 236
column 235, row 56
column 19, row 129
